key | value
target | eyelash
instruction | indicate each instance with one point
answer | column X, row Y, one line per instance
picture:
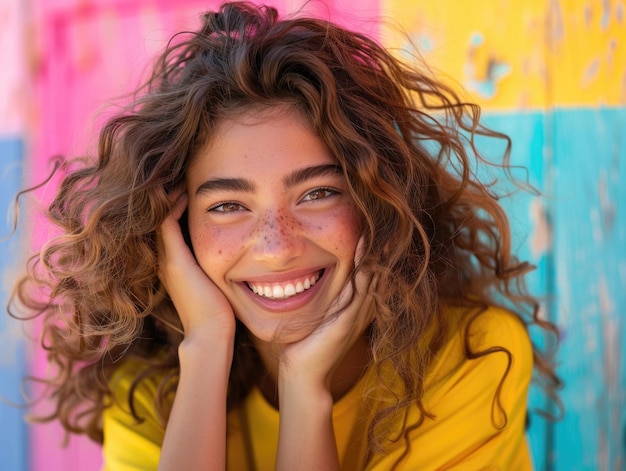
column 329, row 193
column 221, row 205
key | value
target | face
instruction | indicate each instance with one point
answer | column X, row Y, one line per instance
column 272, row 223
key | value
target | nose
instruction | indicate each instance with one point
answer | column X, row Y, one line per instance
column 278, row 238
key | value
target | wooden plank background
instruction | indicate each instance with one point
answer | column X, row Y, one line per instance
column 550, row 73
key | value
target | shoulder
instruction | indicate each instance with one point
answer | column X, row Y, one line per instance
column 474, row 403
column 487, row 353
column 475, row 396
column 496, row 327
column 479, row 331
column 135, row 386
column 125, row 381
column 132, row 428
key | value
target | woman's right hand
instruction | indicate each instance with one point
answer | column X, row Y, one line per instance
column 202, row 307
column 195, row 437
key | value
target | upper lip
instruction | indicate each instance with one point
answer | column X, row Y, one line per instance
column 282, row 277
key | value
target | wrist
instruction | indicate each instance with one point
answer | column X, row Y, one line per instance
column 304, row 393
column 205, row 350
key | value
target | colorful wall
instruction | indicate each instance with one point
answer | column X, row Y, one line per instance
column 550, row 73
column 13, row 432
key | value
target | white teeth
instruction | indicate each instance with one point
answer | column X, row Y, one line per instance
column 290, row 290
column 276, row 291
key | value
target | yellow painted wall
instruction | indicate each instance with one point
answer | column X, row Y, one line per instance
column 515, row 54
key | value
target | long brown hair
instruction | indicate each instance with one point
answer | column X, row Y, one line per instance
column 435, row 236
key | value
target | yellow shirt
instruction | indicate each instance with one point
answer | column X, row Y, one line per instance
column 468, row 431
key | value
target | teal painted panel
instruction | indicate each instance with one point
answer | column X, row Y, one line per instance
column 589, row 219
column 576, row 235
column 531, row 234
column 13, row 432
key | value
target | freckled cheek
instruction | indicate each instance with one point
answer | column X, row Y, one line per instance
column 214, row 246
column 340, row 229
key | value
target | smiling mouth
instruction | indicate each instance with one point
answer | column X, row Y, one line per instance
column 284, row 290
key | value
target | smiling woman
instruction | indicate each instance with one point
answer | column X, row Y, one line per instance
column 271, row 221
column 281, row 259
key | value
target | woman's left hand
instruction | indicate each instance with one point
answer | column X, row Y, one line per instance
column 314, row 359
column 307, row 370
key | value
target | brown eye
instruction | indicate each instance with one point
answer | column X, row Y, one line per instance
column 227, row 208
column 319, row 194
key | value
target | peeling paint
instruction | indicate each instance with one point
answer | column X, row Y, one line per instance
column 555, row 22
column 607, row 206
column 541, row 234
column 483, row 70
column 588, row 15
column 606, row 14
column 607, row 305
column 596, row 226
column 590, row 73
column 610, row 56
column 611, row 335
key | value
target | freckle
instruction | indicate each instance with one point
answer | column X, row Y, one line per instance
column 219, row 252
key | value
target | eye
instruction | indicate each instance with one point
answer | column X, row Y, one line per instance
column 228, row 207
column 319, row 194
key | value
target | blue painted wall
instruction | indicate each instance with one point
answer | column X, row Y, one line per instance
column 576, row 234
column 590, row 285
column 13, row 433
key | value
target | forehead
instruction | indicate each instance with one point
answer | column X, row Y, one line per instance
column 278, row 136
column 257, row 113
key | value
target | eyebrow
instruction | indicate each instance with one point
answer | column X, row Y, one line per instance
column 294, row 178
column 304, row 174
column 226, row 184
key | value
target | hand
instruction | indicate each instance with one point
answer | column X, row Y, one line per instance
column 202, row 307
column 195, row 437
column 314, row 358
column 305, row 379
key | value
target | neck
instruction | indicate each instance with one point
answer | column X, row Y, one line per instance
column 348, row 372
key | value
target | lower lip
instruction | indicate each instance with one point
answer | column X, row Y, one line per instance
column 292, row 303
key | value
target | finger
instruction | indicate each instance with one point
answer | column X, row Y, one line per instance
column 359, row 251
column 180, row 204
column 172, row 248
column 361, row 283
column 352, row 311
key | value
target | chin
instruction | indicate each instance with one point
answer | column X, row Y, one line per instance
column 285, row 331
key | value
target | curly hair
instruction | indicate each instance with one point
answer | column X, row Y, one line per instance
column 435, row 236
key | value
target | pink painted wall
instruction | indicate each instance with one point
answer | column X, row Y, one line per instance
column 83, row 54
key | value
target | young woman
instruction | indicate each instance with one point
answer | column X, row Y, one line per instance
column 282, row 259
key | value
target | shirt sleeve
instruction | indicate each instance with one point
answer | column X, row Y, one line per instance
column 129, row 444
column 479, row 405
